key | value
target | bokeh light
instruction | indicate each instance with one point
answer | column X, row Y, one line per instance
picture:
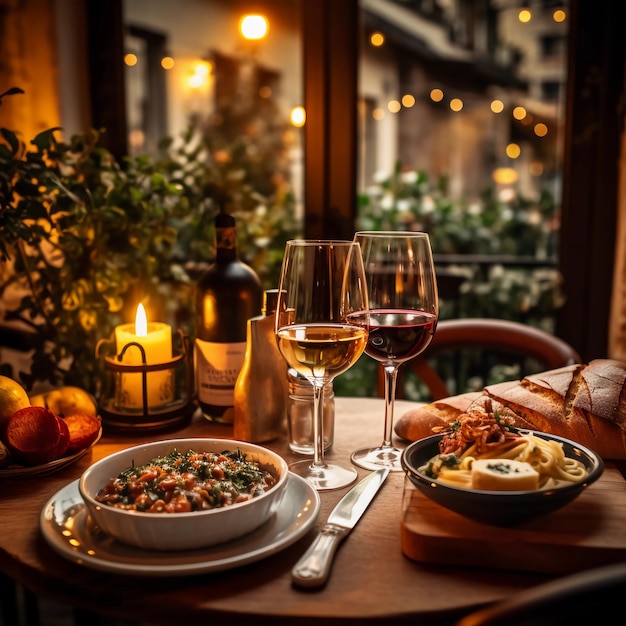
column 436, row 95
column 513, row 151
column 298, row 116
column 456, row 104
column 377, row 39
column 253, row 27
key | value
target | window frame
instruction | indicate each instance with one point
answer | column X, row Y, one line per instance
column 596, row 57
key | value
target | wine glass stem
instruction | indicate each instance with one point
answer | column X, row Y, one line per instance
column 318, row 426
column 391, row 377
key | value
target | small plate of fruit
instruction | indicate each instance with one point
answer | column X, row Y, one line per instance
column 45, row 432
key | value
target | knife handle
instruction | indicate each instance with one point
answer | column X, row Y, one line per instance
column 314, row 565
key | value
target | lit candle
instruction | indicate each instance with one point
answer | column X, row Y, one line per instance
column 156, row 340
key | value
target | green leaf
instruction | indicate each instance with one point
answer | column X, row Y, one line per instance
column 11, row 138
column 45, row 140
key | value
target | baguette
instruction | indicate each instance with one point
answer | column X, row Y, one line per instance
column 584, row 403
column 420, row 422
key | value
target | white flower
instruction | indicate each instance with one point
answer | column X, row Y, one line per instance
column 475, row 208
column 409, row 177
column 534, row 217
column 380, row 177
column 428, row 204
column 374, row 191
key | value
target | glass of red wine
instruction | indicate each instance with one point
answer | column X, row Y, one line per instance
column 404, row 309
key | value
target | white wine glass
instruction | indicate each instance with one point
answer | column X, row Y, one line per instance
column 322, row 283
column 404, row 310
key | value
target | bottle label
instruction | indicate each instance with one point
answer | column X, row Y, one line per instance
column 217, row 366
column 226, row 238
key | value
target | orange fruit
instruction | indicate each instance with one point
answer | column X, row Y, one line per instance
column 12, row 398
column 84, row 430
column 35, row 435
column 66, row 400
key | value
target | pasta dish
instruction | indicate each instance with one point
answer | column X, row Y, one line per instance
column 483, row 450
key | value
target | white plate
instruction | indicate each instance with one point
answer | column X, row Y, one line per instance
column 68, row 529
column 45, row 468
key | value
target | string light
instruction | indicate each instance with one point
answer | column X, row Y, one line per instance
column 167, row 63
column 456, row 104
column 377, row 39
column 513, row 151
column 436, row 95
column 130, row 59
column 519, row 113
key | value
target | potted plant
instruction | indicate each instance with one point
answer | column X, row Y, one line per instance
column 85, row 238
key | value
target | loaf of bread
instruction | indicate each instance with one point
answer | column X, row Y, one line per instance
column 584, row 403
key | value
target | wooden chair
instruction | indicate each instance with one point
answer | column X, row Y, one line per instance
column 493, row 342
column 590, row 597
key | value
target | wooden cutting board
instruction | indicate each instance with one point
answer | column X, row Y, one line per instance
column 588, row 532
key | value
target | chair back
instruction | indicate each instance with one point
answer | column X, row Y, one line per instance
column 492, row 341
column 588, row 597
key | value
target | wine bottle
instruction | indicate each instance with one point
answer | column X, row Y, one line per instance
column 228, row 294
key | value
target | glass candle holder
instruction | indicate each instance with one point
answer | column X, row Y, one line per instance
column 136, row 394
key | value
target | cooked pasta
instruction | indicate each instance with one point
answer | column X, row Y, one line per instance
column 516, row 459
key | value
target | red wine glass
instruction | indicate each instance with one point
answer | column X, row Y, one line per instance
column 404, row 309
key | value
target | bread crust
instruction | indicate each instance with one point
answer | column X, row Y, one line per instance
column 584, row 403
column 419, row 423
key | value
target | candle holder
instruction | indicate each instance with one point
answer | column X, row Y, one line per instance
column 142, row 396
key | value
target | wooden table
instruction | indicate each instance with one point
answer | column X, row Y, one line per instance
column 371, row 580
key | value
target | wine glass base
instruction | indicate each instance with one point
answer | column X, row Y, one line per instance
column 377, row 458
column 324, row 478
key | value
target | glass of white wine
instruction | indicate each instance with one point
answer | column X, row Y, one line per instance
column 322, row 284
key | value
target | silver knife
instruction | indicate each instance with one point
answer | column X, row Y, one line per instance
column 314, row 566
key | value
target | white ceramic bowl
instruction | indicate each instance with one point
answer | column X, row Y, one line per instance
column 181, row 531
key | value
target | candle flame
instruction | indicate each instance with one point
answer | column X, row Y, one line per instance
column 141, row 322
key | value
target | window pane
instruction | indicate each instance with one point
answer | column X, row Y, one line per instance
column 470, row 94
column 461, row 124
column 210, row 95
column 188, row 64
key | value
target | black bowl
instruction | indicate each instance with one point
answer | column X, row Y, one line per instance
column 498, row 508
